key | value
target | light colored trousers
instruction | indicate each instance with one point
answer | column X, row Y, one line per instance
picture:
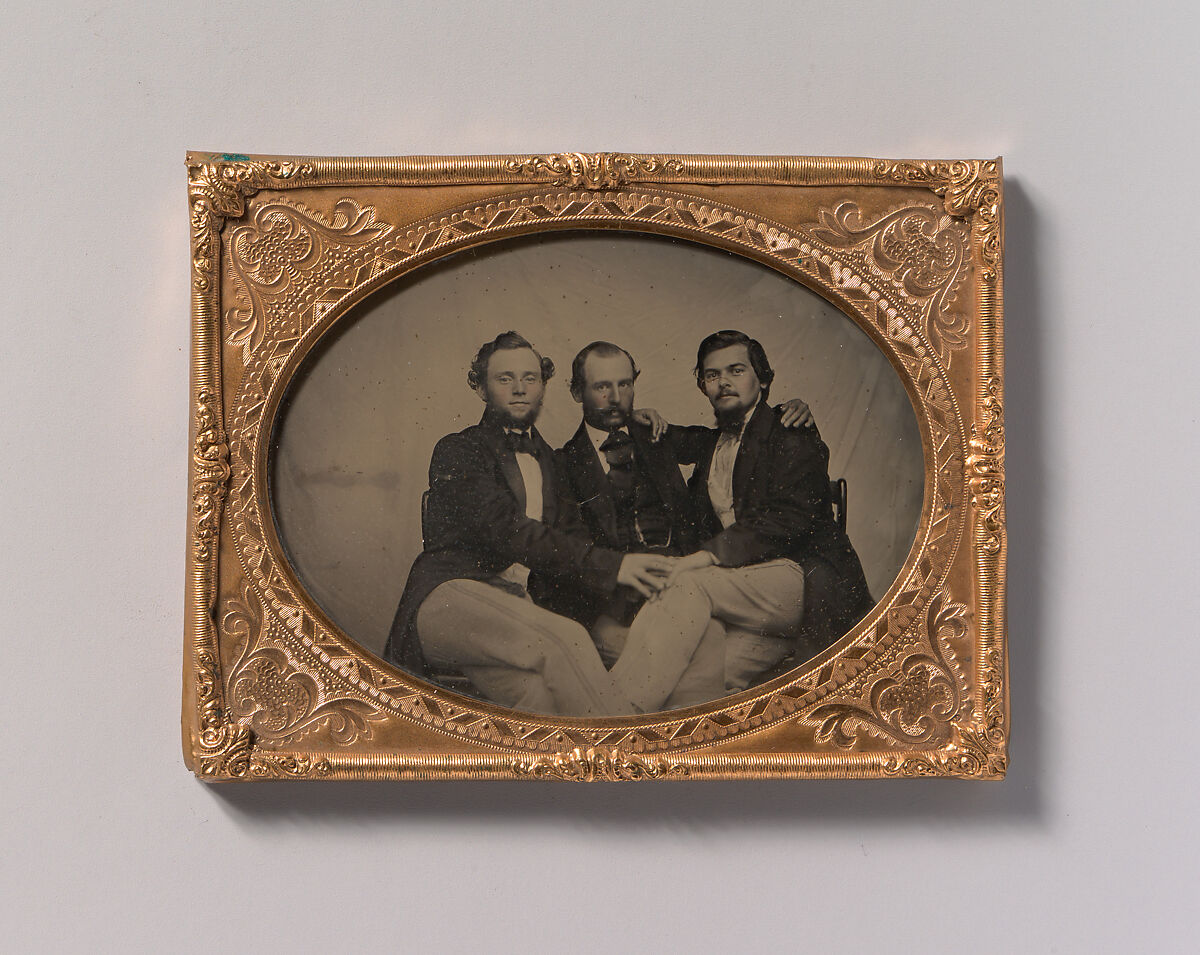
column 523, row 656
column 748, row 611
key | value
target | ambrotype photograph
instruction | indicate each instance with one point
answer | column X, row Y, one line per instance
column 595, row 466
column 596, row 474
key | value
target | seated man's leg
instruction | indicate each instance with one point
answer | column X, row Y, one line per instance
column 610, row 636
column 766, row 598
column 662, row 642
column 761, row 605
column 749, row 654
column 704, row 678
column 701, row 681
column 523, row 690
column 479, row 628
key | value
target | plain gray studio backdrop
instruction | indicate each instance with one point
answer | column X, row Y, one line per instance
column 390, row 380
column 1091, row 843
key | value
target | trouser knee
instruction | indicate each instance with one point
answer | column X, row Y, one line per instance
column 690, row 586
column 569, row 637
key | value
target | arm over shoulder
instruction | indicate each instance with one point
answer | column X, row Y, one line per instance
column 688, row 442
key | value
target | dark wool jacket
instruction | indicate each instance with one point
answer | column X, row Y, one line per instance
column 784, row 508
column 584, row 479
column 474, row 526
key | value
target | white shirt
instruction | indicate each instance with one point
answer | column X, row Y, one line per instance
column 531, row 476
column 598, row 438
column 720, row 473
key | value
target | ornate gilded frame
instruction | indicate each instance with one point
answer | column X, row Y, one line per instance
column 911, row 250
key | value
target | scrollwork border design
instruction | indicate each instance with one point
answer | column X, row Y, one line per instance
column 597, row 763
column 932, row 271
column 985, row 466
column 226, row 748
column 210, row 460
column 277, row 249
column 276, row 698
column 217, row 189
column 892, row 318
column 969, row 187
column 917, row 703
column 594, row 170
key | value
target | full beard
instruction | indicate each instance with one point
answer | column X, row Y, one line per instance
column 510, row 420
column 730, row 418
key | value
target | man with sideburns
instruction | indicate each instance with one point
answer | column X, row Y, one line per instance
column 496, row 528
column 773, row 566
column 632, row 497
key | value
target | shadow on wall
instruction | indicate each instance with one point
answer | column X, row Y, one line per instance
column 781, row 806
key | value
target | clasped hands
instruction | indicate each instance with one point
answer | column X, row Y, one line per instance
column 649, row 574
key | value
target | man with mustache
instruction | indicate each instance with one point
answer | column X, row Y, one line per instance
column 495, row 528
column 632, row 498
column 773, row 566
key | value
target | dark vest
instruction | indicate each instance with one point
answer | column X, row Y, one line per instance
column 643, row 521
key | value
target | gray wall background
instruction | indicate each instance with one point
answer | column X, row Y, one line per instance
column 390, row 380
column 1091, row 843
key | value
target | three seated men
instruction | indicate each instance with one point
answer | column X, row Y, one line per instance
column 689, row 591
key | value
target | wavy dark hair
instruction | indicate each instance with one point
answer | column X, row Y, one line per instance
column 506, row 341
column 724, row 339
column 604, row 350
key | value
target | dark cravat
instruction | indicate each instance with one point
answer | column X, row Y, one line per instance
column 733, row 427
column 618, row 449
column 521, row 442
column 618, row 452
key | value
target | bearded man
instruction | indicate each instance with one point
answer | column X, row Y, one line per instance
column 633, row 498
column 495, row 528
column 773, row 566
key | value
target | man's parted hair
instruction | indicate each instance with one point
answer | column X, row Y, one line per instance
column 603, row 350
column 507, row 341
column 727, row 338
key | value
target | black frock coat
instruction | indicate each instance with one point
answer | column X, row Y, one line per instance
column 474, row 526
column 784, row 508
column 584, row 480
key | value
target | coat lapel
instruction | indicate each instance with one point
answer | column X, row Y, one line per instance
column 698, row 484
column 667, row 480
column 545, row 456
column 753, row 442
column 595, row 496
column 496, row 440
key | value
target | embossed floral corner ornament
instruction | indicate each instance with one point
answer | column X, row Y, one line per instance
column 910, row 250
